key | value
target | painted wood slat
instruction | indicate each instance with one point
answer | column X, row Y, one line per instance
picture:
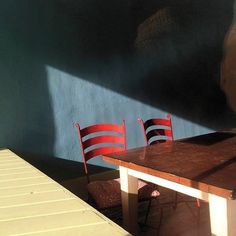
column 21, row 190
column 41, row 209
column 49, row 222
column 9, row 159
column 27, row 174
column 12, row 165
column 15, row 170
column 34, row 198
column 102, row 229
column 25, row 182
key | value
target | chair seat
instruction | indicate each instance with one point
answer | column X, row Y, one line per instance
column 107, row 193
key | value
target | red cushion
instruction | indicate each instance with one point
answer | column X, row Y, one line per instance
column 107, row 194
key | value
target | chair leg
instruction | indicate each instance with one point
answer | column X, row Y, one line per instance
column 198, row 210
column 147, row 212
column 198, row 203
column 175, row 200
column 160, row 221
column 146, row 217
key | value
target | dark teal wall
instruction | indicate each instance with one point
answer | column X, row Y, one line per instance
column 26, row 120
column 91, row 61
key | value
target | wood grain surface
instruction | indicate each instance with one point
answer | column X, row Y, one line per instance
column 206, row 162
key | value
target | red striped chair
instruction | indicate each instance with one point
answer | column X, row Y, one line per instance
column 160, row 130
column 101, row 139
column 157, row 130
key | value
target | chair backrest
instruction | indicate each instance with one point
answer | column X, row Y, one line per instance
column 157, row 130
column 100, row 139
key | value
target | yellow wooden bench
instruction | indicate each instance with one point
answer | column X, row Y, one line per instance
column 31, row 203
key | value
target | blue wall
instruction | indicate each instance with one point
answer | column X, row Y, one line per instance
column 67, row 61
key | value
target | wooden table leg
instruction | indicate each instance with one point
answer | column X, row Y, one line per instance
column 222, row 216
column 129, row 191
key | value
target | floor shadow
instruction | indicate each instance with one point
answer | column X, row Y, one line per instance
column 59, row 169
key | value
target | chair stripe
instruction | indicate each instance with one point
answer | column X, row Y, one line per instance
column 102, row 151
column 159, row 132
column 104, row 139
column 101, row 127
column 159, row 122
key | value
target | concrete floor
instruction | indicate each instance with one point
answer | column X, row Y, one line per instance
column 182, row 221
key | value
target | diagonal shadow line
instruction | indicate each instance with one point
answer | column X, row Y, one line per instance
column 214, row 169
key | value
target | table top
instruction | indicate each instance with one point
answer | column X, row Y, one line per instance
column 33, row 204
column 206, row 162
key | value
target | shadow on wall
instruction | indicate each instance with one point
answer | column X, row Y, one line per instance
column 181, row 44
column 165, row 54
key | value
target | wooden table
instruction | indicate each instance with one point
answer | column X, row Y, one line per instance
column 203, row 167
column 33, row 204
